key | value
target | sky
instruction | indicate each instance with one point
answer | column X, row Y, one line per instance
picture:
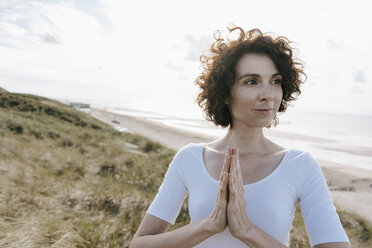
column 145, row 54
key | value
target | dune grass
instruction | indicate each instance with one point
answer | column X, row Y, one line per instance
column 69, row 180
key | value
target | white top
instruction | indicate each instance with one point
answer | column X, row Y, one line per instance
column 271, row 201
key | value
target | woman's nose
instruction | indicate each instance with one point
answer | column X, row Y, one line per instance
column 266, row 93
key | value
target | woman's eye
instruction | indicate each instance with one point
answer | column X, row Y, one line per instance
column 277, row 81
column 250, row 82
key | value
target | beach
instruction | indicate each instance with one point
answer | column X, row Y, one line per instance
column 350, row 187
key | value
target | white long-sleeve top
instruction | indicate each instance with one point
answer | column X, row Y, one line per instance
column 271, row 201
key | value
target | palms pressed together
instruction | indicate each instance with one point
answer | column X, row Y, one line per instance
column 230, row 207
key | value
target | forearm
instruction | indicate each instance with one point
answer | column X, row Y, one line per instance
column 257, row 238
column 186, row 236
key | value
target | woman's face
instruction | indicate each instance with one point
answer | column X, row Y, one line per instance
column 257, row 92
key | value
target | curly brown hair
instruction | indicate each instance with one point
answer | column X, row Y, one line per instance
column 218, row 75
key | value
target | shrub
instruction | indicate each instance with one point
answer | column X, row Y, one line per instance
column 15, row 128
column 66, row 143
column 108, row 169
column 150, row 146
column 53, row 135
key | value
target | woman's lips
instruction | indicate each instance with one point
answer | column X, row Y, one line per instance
column 264, row 111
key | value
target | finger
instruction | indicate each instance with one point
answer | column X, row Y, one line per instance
column 225, row 166
column 233, row 150
column 229, row 149
column 233, row 170
column 222, row 190
column 222, row 170
column 235, row 187
column 232, row 188
column 232, row 164
column 225, row 180
column 236, row 174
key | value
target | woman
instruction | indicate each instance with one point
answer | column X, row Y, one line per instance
column 243, row 188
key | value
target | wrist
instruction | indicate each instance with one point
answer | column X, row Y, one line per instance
column 210, row 226
column 245, row 231
column 246, row 235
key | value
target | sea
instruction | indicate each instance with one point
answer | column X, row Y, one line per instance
column 343, row 139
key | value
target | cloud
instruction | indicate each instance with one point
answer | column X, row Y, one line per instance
column 196, row 47
column 176, row 47
column 332, row 44
column 29, row 24
column 94, row 8
column 359, row 76
column 172, row 66
column 357, row 89
column 24, row 25
column 51, row 38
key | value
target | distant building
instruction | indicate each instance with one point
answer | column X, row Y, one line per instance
column 83, row 107
column 79, row 105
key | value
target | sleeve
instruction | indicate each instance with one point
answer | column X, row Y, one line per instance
column 172, row 192
column 322, row 222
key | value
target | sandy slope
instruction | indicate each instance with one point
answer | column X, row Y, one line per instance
column 351, row 188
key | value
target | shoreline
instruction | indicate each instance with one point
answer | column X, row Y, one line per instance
column 350, row 187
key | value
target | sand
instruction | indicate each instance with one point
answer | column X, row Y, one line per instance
column 350, row 188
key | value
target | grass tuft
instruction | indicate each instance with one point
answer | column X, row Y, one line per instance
column 150, row 146
column 14, row 127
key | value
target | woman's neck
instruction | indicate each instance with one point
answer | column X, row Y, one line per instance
column 249, row 140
